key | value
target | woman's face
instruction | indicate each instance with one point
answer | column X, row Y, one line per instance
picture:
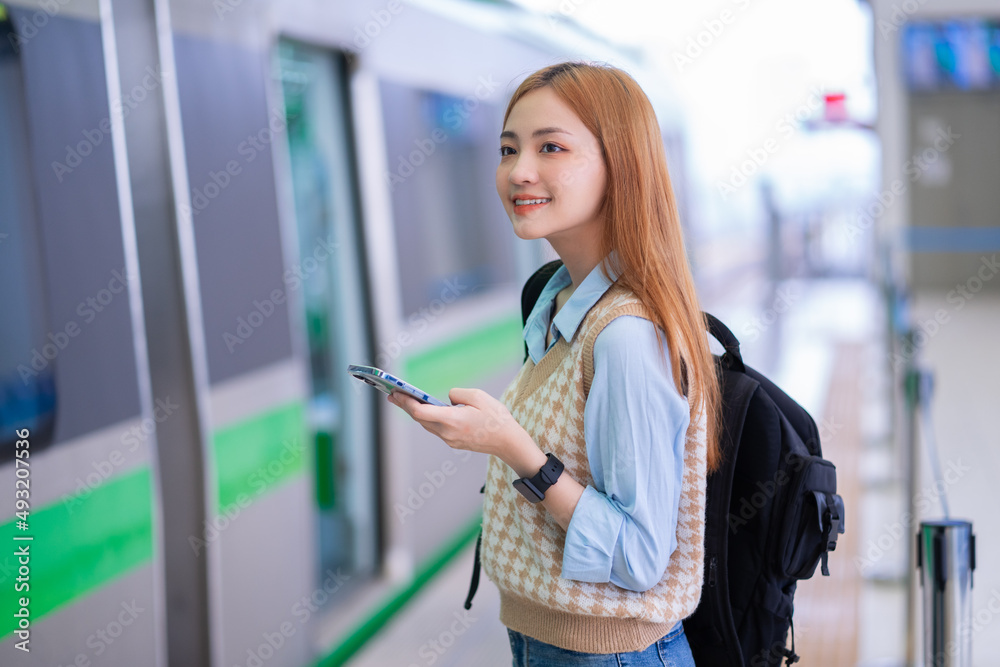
column 551, row 176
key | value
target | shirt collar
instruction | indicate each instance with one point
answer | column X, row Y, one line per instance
column 569, row 317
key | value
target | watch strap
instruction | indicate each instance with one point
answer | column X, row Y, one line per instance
column 534, row 488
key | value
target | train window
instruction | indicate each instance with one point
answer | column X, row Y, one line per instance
column 453, row 237
column 27, row 345
column 322, row 179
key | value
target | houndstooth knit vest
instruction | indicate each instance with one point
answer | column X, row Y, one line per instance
column 522, row 547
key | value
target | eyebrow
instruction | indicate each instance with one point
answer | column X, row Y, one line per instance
column 507, row 134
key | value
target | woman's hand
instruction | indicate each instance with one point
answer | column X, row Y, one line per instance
column 480, row 424
column 484, row 424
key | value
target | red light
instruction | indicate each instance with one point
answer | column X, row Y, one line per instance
column 835, row 110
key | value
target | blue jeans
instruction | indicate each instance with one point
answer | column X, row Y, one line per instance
column 671, row 650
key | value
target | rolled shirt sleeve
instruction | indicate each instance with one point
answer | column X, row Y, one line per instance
column 624, row 528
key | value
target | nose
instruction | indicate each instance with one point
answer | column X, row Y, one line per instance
column 524, row 169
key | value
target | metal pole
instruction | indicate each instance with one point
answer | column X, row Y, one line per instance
column 909, row 425
column 946, row 556
column 775, row 272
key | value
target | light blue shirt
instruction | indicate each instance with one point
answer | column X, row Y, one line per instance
column 624, row 528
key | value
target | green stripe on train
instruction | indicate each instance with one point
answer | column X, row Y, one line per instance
column 369, row 627
column 83, row 543
column 259, row 454
column 79, row 545
column 462, row 361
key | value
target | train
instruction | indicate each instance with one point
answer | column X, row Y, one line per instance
column 209, row 210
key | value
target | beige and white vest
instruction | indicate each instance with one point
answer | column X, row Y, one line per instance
column 522, row 547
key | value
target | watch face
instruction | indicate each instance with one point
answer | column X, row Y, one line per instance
column 528, row 490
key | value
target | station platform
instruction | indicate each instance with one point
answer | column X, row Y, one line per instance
column 833, row 359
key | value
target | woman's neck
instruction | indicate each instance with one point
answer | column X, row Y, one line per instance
column 578, row 257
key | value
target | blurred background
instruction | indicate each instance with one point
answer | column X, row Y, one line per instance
column 209, row 209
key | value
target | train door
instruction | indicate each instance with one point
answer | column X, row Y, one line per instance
column 329, row 269
column 79, row 573
column 259, row 532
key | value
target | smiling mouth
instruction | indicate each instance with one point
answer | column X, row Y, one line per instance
column 522, row 206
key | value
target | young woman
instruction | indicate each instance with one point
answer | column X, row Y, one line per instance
column 593, row 519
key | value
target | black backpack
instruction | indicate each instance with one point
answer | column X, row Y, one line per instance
column 772, row 512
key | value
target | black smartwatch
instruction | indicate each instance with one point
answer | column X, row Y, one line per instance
column 534, row 488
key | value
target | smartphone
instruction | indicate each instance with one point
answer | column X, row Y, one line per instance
column 387, row 383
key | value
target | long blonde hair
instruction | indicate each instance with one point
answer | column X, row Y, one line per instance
column 641, row 223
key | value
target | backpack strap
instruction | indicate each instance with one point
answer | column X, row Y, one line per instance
column 529, row 296
column 711, row 630
column 789, row 653
column 476, row 566
column 533, row 289
column 732, row 359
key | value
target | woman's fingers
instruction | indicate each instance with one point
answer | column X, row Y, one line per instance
column 402, row 400
column 478, row 426
column 466, row 396
column 412, row 406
